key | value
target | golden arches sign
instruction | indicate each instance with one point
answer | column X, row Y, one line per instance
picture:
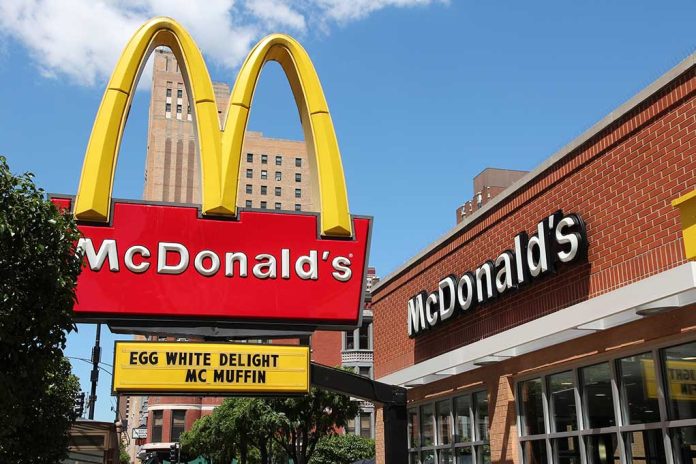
column 220, row 149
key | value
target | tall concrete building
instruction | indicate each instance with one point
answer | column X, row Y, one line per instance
column 274, row 174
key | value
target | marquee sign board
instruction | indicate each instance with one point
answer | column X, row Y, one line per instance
column 147, row 263
column 210, row 368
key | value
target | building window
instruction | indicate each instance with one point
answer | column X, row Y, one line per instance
column 248, row 189
column 278, row 191
column 277, row 206
column 627, row 407
column 298, row 193
column 364, row 337
column 264, row 190
column 157, row 421
column 178, row 424
column 250, row 157
column 278, row 160
column 298, row 207
column 169, row 92
column 247, row 204
column 263, row 205
column 361, row 424
column 278, row 175
column 264, row 174
column 179, row 93
column 178, row 109
column 450, row 430
column 298, row 162
column 349, row 339
column 365, row 371
column 168, row 107
column 365, row 424
column 298, row 177
column 249, row 173
column 360, row 338
column 264, row 159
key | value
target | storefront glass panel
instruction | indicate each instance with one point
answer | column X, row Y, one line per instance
column 597, row 395
column 562, row 402
column 532, row 403
column 413, row 441
column 413, row 458
column 481, row 415
column 444, row 456
column 639, row 389
column 566, row 450
column 464, row 455
column 444, row 422
column 684, row 445
column 427, row 428
column 625, row 414
column 603, row 449
column 450, row 430
column 462, row 419
column 428, row 457
column 645, row 446
column 483, row 454
column 680, row 377
column 535, row 452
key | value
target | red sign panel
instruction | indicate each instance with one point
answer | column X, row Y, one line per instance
column 165, row 262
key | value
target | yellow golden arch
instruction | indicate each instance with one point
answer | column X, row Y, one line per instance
column 220, row 149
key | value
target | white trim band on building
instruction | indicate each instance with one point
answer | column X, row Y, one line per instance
column 669, row 289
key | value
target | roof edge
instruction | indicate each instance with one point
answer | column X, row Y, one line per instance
column 654, row 87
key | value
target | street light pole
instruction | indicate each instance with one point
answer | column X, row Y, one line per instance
column 96, row 357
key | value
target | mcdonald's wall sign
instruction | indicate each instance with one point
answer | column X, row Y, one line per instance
column 215, row 264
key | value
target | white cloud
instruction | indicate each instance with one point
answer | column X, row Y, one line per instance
column 81, row 39
column 276, row 13
column 350, row 10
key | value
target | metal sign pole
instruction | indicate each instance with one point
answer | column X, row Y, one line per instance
column 96, row 357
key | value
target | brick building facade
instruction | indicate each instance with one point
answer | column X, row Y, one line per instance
column 595, row 363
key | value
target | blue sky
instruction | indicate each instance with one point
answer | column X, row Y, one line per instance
column 423, row 96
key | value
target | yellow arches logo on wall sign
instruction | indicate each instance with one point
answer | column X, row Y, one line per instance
column 220, row 149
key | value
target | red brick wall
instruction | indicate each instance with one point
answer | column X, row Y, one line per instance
column 620, row 182
column 326, row 348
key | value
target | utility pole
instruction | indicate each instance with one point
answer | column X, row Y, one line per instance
column 96, row 357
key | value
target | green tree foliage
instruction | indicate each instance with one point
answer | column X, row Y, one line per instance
column 123, row 456
column 303, row 421
column 212, row 437
column 38, row 274
column 343, row 449
column 251, row 428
